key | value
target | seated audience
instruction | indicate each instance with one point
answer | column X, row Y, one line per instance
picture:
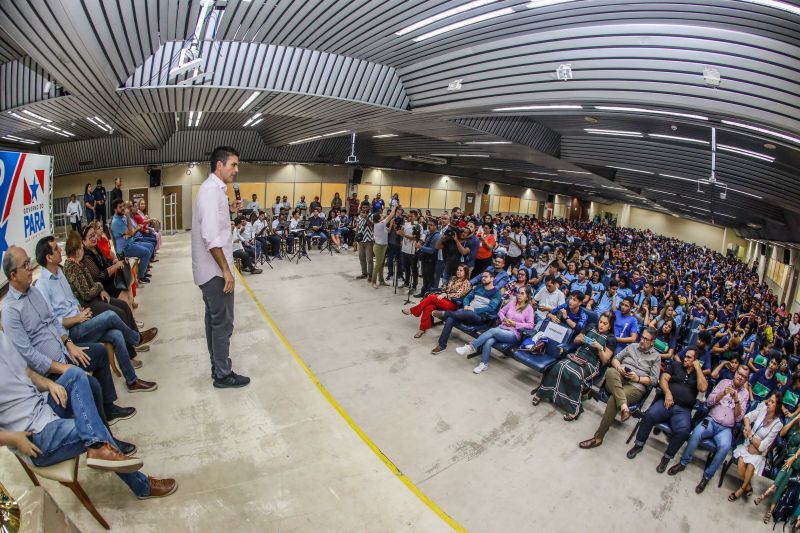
column 128, row 244
column 632, row 370
column 40, row 337
column 790, row 433
column 447, row 300
column 761, row 427
column 549, row 297
column 239, row 251
column 679, row 385
column 570, row 314
column 728, row 402
column 53, row 421
column 105, row 270
column 565, row 383
column 516, row 317
column 316, row 223
column 499, row 273
column 479, row 306
column 765, row 381
column 626, row 327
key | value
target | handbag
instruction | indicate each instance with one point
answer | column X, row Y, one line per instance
column 123, row 278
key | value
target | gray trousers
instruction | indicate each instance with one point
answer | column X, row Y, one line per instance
column 365, row 256
column 219, row 325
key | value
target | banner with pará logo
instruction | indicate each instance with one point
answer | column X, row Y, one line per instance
column 25, row 201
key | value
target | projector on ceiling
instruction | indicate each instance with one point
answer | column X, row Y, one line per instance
column 427, row 159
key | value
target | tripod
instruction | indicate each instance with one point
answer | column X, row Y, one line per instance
column 328, row 242
column 301, row 247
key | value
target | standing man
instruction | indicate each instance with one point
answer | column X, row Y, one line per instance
column 99, row 194
column 253, row 204
column 74, row 213
column 352, row 206
column 116, row 192
column 212, row 263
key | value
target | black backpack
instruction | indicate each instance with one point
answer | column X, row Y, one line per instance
column 787, row 504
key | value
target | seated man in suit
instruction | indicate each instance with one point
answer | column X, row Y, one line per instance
column 479, row 306
column 64, row 423
column 679, row 385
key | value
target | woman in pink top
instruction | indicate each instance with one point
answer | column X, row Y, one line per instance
column 516, row 316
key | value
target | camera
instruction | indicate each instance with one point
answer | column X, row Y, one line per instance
column 417, row 232
column 451, row 230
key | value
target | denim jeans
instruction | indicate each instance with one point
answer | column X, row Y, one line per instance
column 141, row 250
column 722, row 437
column 680, row 422
column 489, row 338
column 109, row 327
column 80, row 426
column 461, row 316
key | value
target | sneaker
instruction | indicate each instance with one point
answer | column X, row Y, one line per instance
column 231, row 381
column 256, row 271
column 419, row 295
column 362, row 276
column 438, row 350
column 141, row 385
column 467, row 349
column 141, row 349
column 633, row 452
column 662, row 465
column 117, row 413
column 107, row 458
column 125, row 448
column 480, row 368
column 159, row 488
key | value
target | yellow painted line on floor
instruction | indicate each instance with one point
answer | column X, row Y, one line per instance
column 368, row 441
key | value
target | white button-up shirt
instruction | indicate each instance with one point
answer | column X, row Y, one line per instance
column 211, row 228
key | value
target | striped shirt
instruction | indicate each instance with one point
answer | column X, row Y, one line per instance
column 365, row 229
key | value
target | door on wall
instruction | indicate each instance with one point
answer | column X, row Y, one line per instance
column 178, row 191
column 134, row 195
column 469, row 204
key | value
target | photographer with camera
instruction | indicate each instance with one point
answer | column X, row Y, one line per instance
column 410, row 234
column 428, row 253
column 452, row 249
column 381, row 233
column 393, row 249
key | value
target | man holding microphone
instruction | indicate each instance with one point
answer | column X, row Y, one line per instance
column 212, row 262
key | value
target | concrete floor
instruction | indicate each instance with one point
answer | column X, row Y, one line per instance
column 277, row 457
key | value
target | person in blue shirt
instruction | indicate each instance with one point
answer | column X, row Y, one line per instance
column 99, row 195
column 570, row 313
column 127, row 244
column 89, row 203
column 597, row 288
column 498, row 271
column 767, row 378
column 626, row 327
column 378, row 204
column 610, row 299
column 637, row 282
column 479, row 306
column 581, row 285
column 646, row 294
column 623, row 291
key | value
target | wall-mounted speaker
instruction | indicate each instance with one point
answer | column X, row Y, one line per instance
column 357, row 173
column 786, row 257
column 155, row 177
column 763, row 249
column 551, row 198
column 486, row 189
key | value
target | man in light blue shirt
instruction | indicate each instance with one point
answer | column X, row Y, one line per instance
column 126, row 242
column 40, row 338
column 609, row 299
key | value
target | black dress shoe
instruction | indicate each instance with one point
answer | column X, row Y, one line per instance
column 662, row 465
column 701, row 486
column 117, row 413
column 677, row 468
column 633, row 452
column 419, row 295
column 125, row 448
column 231, row 381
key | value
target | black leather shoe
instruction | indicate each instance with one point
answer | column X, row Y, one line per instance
column 676, row 469
column 117, row 413
column 701, row 486
column 231, row 381
column 125, row 448
column 662, row 465
column 633, row 452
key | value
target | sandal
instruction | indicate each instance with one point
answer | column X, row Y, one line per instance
column 535, row 400
column 769, row 492
column 419, row 334
column 405, row 312
column 571, row 418
column 594, row 442
column 767, row 517
column 734, row 496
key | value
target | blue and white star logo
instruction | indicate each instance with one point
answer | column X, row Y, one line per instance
column 33, row 187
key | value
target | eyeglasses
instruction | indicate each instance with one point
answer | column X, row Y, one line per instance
column 645, row 339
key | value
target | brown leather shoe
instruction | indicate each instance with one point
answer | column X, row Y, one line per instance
column 108, row 458
column 147, row 336
column 160, row 488
column 141, row 385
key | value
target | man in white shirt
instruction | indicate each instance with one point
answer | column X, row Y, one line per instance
column 212, row 263
column 253, row 204
column 74, row 213
column 549, row 297
column 276, row 207
column 239, row 251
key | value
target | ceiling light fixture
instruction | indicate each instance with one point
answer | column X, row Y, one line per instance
column 653, row 111
column 545, row 3
column 537, row 107
column 315, row 137
column 724, row 215
column 254, row 124
column 573, row 171
column 663, row 192
column 783, row 6
column 197, row 121
column 675, row 138
column 191, row 119
column 461, row 155
column 34, row 115
column 613, row 132
column 487, row 142
column 19, row 139
column 541, row 173
column 249, row 100
column 677, row 177
column 443, row 15
column 20, row 117
column 612, row 187
column 252, row 120
column 631, row 170
column 97, row 121
column 764, row 131
column 490, row 168
column 385, row 136
column 466, row 22
column 746, row 193
column 742, row 151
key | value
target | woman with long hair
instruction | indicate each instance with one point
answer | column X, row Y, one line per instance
column 790, row 433
column 448, row 300
column 88, row 202
column 515, row 317
column 101, row 268
column 336, row 203
column 566, row 381
column 519, row 285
